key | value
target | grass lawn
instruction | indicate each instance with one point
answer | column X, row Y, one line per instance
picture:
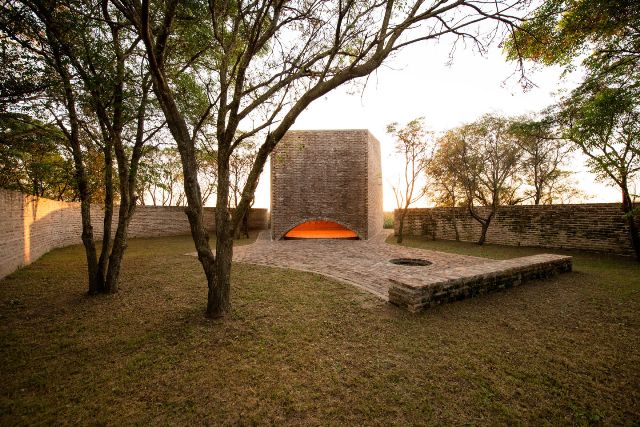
column 302, row 349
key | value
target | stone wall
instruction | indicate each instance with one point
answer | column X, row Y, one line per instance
column 595, row 226
column 31, row 227
column 329, row 175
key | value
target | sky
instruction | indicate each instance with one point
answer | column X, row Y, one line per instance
column 418, row 82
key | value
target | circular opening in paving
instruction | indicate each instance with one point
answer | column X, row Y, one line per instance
column 413, row 262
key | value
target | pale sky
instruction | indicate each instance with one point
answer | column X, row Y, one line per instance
column 418, row 83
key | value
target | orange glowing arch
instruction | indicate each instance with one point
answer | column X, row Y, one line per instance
column 320, row 230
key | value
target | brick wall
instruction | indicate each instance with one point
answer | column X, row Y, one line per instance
column 595, row 226
column 374, row 197
column 31, row 227
column 325, row 175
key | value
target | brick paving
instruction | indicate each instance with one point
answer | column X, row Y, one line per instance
column 362, row 263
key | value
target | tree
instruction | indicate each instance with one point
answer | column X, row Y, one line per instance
column 415, row 146
column 261, row 64
column 445, row 188
column 604, row 122
column 544, row 155
column 95, row 91
column 162, row 177
column 606, row 33
column 29, row 37
column 31, row 160
column 240, row 163
column 598, row 115
column 483, row 157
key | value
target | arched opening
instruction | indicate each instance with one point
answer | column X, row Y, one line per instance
column 320, row 230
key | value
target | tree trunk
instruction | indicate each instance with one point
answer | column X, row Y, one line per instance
column 455, row 223
column 401, row 226
column 73, row 136
column 180, row 132
column 89, row 247
column 108, row 218
column 245, row 224
column 119, row 245
column 484, row 222
column 627, row 208
column 218, row 301
column 483, row 233
column 635, row 237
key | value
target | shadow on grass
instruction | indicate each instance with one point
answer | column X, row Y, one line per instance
column 301, row 349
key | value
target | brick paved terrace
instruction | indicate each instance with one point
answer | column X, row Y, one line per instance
column 366, row 265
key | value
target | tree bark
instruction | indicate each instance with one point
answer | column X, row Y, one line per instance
column 128, row 175
column 627, row 209
column 399, row 237
column 484, row 222
column 483, row 233
column 219, row 284
column 119, row 245
column 73, row 137
column 108, row 218
column 455, row 223
column 178, row 128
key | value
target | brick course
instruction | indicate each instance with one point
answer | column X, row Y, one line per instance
column 329, row 175
column 453, row 284
column 31, row 227
column 594, row 226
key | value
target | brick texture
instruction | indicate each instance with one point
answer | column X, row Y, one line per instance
column 330, row 175
column 31, row 227
column 594, row 227
column 468, row 281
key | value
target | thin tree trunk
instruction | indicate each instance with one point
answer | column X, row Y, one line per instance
column 399, row 237
column 108, row 218
column 483, row 233
column 73, row 136
column 218, row 301
column 484, row 222
column 215, row 306
column 455, row 223
column 627, row 208
column 87, row 238
column 128, row 174
column 119, row 246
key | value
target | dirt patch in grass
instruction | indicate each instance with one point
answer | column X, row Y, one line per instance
column 301, row 349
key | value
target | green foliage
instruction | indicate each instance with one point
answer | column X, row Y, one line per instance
column 483, row 156
column 604, row 122
column 414, row 145
column 30, row 158
column 544, row 157
column 388, row 220
column 605, row 32
column 160, row 179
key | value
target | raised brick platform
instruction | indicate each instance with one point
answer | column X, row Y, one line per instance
column 416, row 293
column 367, row 265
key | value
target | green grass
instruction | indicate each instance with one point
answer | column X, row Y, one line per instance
column 388, row 220
column 301, row 349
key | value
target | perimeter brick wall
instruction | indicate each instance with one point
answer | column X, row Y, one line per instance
column 593, row 227
column 31, row 226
